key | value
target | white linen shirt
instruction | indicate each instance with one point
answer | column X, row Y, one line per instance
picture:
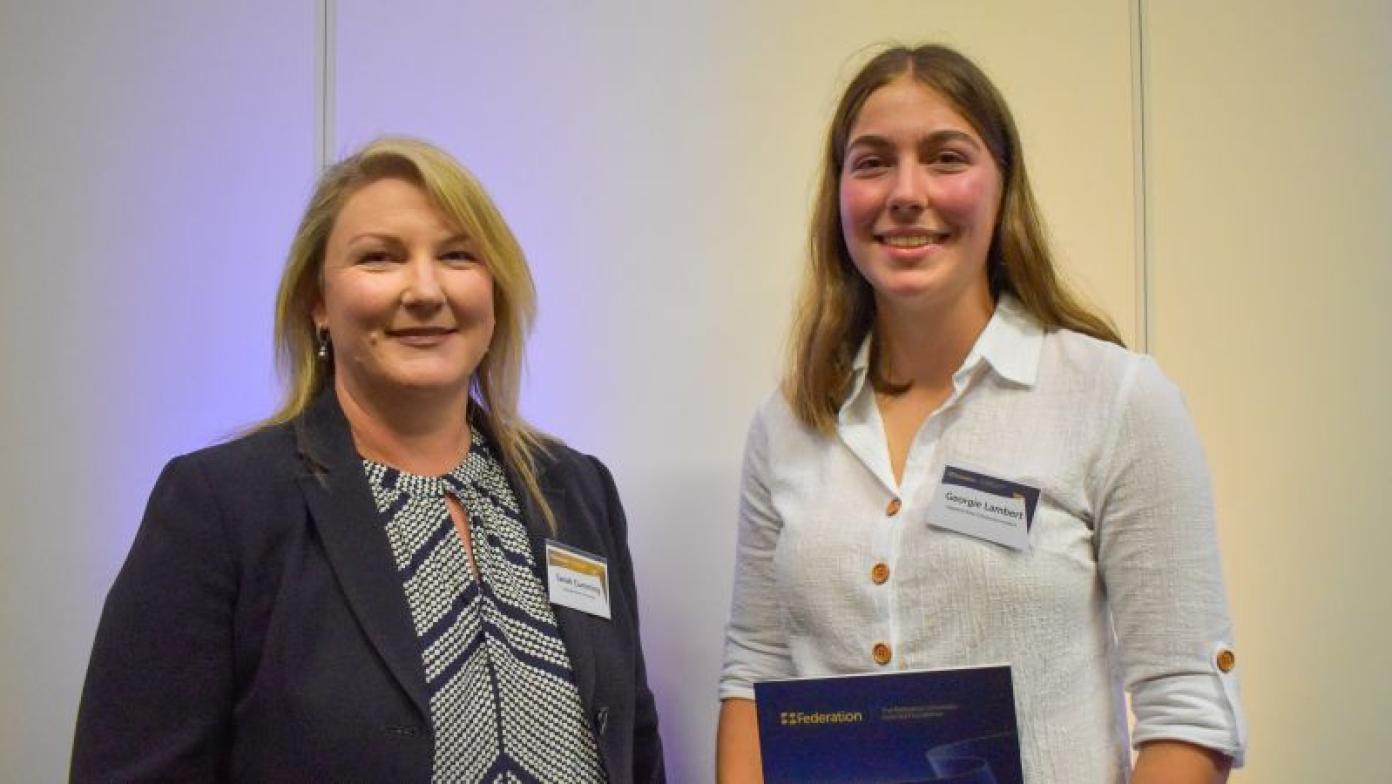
column 1122, row 539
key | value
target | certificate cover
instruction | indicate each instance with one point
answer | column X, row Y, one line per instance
column 940, row 726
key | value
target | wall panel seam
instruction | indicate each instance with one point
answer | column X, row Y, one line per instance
column 324, row 41
column 1140, row 127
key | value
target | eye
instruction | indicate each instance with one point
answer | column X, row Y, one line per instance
column 868, row 163
column 374, row 257
column 459, row 257
column 950, row 159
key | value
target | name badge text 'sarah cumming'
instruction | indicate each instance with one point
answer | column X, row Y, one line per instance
column 577, row 579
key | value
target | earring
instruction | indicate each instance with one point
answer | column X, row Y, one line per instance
column 323, row 340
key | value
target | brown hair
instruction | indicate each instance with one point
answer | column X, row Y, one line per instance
column 836, row 308
column 463, row 202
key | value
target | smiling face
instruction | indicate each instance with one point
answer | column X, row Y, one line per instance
column 406, row 299
column 919, row 196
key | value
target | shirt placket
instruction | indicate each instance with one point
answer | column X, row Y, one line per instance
column 880, row 575
column 922, row 471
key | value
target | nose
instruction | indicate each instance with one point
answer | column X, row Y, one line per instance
column 423, row 289
column 908, row 193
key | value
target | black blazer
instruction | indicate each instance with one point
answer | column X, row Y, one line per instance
column 258, row 630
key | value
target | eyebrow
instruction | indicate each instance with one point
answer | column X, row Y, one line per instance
column 459, row 238
column 936, row 137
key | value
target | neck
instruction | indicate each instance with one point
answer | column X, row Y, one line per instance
column 924, row 346
column 420, row 434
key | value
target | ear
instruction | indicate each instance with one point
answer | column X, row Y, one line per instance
column 319, row 315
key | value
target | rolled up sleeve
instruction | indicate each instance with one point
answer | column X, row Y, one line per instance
column 1158, row 556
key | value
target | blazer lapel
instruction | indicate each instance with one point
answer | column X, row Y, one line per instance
column 341, row 505
column 574, row 625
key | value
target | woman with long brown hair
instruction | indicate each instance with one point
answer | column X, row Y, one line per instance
column 933, row 333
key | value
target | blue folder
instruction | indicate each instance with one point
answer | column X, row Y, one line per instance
column 952, row 726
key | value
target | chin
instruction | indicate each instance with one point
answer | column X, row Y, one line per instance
column 908, row 285
column 428, row 385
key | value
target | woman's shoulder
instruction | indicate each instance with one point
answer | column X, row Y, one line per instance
column 1097, row 362
column 265, row 453
column 229, row 496
column 1111, row 377
column 559, row 463
column 1088, row 352
column 775, row 414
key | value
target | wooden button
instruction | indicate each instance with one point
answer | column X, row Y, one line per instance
column 879, row 573
column 882, row 653
column 1226, row 660
column 893, row 508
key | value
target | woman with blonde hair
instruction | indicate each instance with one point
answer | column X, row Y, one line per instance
column 393, row 578
column 932, row 334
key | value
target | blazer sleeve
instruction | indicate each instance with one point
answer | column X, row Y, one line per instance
column 157, row 702
column 648, row 763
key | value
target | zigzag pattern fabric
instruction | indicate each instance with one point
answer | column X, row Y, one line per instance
column 503, row 701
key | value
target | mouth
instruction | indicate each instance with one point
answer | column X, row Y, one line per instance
column 912, row 239
column 420, row 336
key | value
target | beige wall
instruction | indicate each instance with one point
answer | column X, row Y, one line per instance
column 1270, row 172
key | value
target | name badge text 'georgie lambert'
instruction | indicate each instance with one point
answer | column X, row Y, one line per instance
column 984, row 506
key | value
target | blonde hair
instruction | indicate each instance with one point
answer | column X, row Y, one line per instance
column 836, row 308
column 463, row 202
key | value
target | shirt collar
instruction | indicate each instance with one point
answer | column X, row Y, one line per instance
column 1009, row 344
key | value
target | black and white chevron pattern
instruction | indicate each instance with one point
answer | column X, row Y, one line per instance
column 502, row 700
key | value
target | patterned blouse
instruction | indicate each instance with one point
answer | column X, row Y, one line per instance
column 503, row 702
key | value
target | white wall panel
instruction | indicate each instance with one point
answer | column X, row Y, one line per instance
column 153, row 159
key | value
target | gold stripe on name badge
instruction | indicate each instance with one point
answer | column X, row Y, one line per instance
column 567, row 561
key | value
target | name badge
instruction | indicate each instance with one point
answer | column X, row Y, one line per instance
column 984, row 506
column 576, row 579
